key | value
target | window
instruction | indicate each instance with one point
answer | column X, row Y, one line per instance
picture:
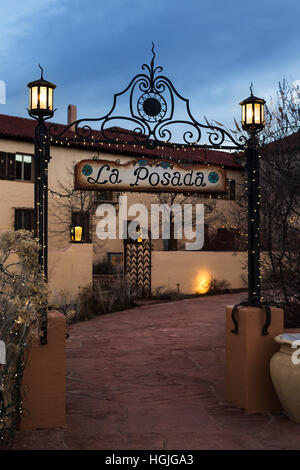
column 7, row 166
column 225, row 239
column 206, row 238
column 106, row 196
column 83, row 219
column 16, row 166
column 24, row 167
column 24, row 219
column 171, row 243
column 117, row 261
column 231, row 190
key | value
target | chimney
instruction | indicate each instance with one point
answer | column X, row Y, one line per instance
column 72, row 115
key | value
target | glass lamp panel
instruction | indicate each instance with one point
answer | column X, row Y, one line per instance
column 78, row 234
column 257, row 113
column 43, row 97
column 34, row 97
column 50, row 98
column 249, row 113
column 19, row 167
column 27, row 168
column 243, row 113
column 262, row 110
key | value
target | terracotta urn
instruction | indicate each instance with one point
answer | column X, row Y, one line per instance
column 285, row 374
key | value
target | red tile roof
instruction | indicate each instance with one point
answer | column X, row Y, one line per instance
column 17, row 128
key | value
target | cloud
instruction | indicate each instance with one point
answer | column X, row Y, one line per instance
column 91, row 49
column 21, row 19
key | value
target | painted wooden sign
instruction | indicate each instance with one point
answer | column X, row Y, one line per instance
column 148, row 176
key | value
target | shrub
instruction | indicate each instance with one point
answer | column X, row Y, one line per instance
column 94, row 300
column 23, row 295
column 218, row 287
column 105, row 267
column 168, row 294
column 65, row 303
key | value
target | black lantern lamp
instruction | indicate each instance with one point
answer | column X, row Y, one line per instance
column 41, row 97
column 76, row 233
column 253, row 113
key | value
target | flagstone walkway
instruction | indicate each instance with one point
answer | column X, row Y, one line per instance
column 153, row 378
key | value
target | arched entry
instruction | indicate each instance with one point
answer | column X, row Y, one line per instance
column 153, row 122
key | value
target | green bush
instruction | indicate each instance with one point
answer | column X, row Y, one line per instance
column 23, row 297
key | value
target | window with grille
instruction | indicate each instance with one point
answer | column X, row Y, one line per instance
column 24, row 219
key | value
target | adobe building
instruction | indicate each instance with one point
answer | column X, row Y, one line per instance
column 71, row 264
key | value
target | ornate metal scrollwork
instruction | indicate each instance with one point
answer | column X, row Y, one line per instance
column 152, row 101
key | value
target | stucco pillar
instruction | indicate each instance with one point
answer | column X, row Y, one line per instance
column 248, row 354
column 44, row 380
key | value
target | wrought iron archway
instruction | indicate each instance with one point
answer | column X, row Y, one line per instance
column 152, row 101
column 152, row 104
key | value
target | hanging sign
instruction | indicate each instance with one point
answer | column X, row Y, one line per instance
column 149, row 176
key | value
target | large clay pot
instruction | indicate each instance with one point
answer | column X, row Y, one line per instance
column 285, row 374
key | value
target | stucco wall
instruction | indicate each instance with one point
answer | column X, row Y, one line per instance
column 16, row 194
column 191, row 267
column 69, row 269
column 70, row 266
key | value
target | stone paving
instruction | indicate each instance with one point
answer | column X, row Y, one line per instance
column 153, row 378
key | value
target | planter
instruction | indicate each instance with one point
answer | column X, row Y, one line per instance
column 285, row 374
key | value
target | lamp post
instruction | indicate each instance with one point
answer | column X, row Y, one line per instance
column 41, row 109
column 253, row 122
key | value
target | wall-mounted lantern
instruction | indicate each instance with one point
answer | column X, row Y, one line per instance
column 76, row 233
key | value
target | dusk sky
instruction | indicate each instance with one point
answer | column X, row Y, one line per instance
column 91, row 49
